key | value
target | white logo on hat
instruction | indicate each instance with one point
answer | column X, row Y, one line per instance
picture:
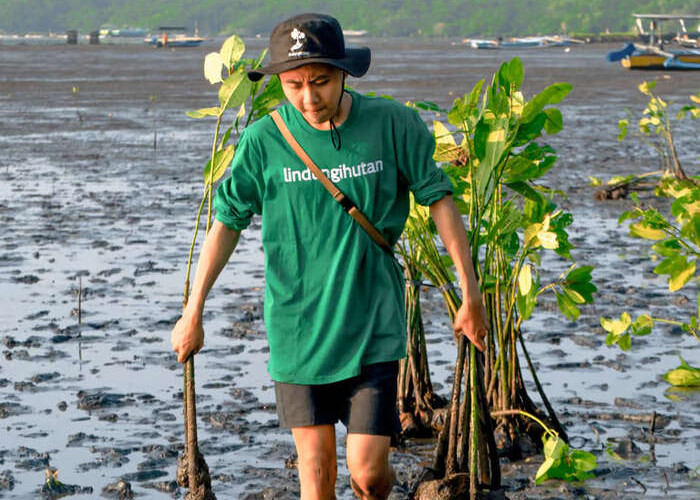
column 297, row 36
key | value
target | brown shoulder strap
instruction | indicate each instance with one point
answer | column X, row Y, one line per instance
column 337, row 194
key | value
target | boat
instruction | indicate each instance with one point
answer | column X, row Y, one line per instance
column 350, row 33
column 522, row 42
column 476, row 43
column 124, row 32
column 654, row 55
column 174, row 36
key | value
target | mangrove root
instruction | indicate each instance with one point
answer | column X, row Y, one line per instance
column 453, row 487
column 203, row 490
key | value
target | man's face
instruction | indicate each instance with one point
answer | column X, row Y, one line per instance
column 314, row 90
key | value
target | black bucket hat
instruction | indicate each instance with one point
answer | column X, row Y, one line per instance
column 311, row 38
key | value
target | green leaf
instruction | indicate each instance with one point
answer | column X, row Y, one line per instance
column 526, row 190
column 563, row 463
column 671, row 265
column 647, row 87
column 630, row 214
column 527, row 303
column 667, row 248
column 222, row 159
column 225, row 138
column 643, row 325
column 465, row 110
column 429, row 106
column 555, row 122
column 553, row 94
column 235, row 90
column 542, row 472
column 623, row 127
column 625, row 342
column 525, row 279
column 446, row 148
column 583, row 460
column 555, row 447
column 580, row 274
column 683, row 376
column 567, row 306
column 212, row 67
column 575, row 296
column 585, row 289
column 511, row 75
column 531, row 130
column 269, row 98
column 641, row 230
column 231, row 51
column 548, row 240
column 679, row 278
column 201, row 113
column 258, row 61
column 493, row 137
column 616, row 326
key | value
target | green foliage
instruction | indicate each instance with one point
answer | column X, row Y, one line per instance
column 494, row 168
column 620, row 331
column 676, row 237
column 228, row 68
column 683, row 376
column 222, row 159
column 561, row 462
column 655, row 127
column 489, row 148
column 677, row 241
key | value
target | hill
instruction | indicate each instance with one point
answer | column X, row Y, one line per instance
column 378, row 17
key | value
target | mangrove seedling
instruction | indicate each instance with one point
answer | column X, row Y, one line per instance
column 654, row 129
column 416, row 399
column 512, row 219
column 560, row 461
column 676, row 248
column 226, row 67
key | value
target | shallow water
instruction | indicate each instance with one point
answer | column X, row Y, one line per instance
column 86, row 199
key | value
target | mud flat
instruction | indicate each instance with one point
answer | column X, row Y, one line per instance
column 87, row 203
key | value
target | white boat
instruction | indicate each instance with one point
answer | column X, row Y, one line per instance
column 354, row 32
column 174, row 37
column 522, row 42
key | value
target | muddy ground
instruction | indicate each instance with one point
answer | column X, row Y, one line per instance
column 87, row 202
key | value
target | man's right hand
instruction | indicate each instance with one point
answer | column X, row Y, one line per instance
column 187, row 336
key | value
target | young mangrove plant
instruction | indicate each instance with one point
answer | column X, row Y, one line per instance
column 512, row 221
column 560, row 461
column 676, row 248
column 226, row 67
column 654, row 129
column 416, row 399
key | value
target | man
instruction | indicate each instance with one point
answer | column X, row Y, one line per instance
column 334, row 309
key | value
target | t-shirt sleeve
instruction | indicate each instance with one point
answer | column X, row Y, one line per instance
column 240, row 195
column 427, row 182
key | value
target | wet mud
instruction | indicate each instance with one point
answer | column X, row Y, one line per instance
column 88, row 206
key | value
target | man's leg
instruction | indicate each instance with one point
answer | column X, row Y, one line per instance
column 317, row 461
column 371, row 476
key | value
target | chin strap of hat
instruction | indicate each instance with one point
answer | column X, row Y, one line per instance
column 335, row 135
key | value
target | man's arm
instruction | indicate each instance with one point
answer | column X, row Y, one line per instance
column 188, row 335
column 470, row 319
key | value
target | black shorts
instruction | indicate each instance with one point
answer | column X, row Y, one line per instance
column 366, row 404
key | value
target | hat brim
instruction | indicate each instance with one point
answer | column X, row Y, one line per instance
column 356, row 63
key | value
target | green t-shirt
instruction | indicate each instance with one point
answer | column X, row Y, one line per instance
column 333, row 297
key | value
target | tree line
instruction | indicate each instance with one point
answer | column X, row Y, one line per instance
column 378, row 17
